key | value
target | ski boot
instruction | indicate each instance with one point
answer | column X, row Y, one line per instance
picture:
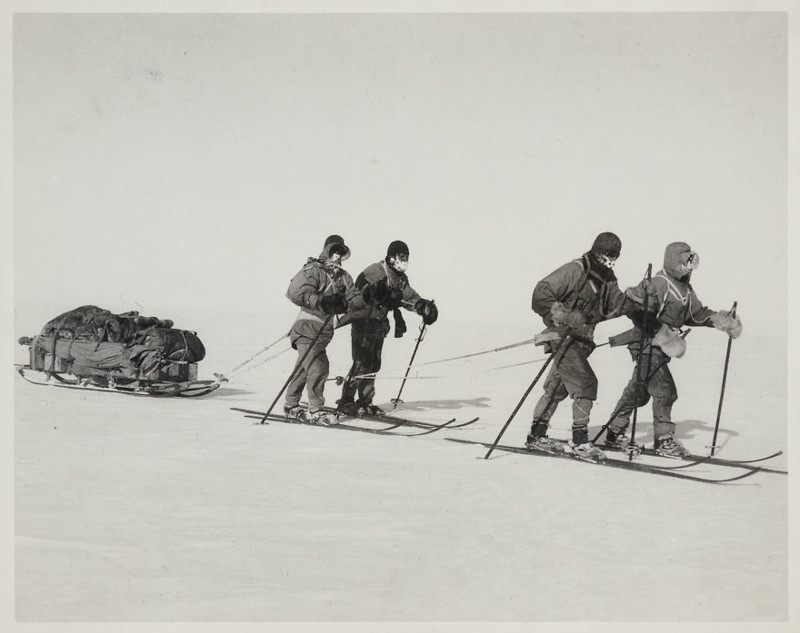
column 620, row 441
column 545, row 444
column 668, row 446
column 295, row 413
column 587, row 451
column 616, row 439
column 348, row 408
column 370, row 409
column 323, row 418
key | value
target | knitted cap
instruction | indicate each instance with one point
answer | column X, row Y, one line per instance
column 607, row 244
column 397, row 248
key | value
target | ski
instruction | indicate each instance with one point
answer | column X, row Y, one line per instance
column 751, row 461
column 259, row 415
column 400, row 422
column 747, row 463
column 693, row 459
column 391, row 419
column 186, row 389
column 450, row 424
column 610, row 463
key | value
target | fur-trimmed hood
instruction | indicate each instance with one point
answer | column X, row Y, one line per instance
column 334, row 240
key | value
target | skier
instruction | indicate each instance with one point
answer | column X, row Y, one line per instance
column 672, row 303
column 384, row 287
column 322, row 289
column 571, row 300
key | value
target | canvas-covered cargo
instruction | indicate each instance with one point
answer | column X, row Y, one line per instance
column 96, row 343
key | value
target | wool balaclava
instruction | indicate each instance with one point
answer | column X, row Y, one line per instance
column 604, row 253
column 397, row 256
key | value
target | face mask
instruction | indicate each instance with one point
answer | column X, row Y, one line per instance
column 334, row 261
column 399, row 263
column 606, row 261
column 692, row 263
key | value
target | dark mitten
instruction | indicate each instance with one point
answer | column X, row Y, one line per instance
column 394, row 298
column 368, row 293
column 646, row 321
column 427, row 310
column 333, row 304
column 379, row 291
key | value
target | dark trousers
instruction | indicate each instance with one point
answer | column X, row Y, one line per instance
column 366, row 339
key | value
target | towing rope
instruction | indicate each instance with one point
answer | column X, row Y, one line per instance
column 266, row 360
column 452, row 358
column 258, row 353
column 341, row 379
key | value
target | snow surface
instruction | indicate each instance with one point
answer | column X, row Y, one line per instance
column 143, row 509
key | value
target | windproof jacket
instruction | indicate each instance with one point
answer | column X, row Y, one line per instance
column 580, row 288
column 670, row 296
column 314, row 281
column 394, row 279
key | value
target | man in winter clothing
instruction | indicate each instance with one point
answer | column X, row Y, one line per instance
column 384, row 287
column 571, row 300
column 322, row 289
column 670, row 304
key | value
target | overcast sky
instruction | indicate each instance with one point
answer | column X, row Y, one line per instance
column 166, row 161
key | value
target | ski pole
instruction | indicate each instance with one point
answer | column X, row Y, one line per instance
column 639, row 383
column 297, row 366
column 628, row 402
column 722, row 390
column 396, row 400
column 563, row 344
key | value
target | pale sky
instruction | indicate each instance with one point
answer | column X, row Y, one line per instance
column 173, row 160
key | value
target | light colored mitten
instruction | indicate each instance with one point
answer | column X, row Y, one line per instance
column 723, row 321
column 562, row 315
column 546, row 336
column 632, row 294
column 670, row 341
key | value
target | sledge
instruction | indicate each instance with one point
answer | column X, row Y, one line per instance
column 94, row 349
column 185, row 389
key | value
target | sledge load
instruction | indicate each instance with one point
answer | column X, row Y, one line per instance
column 92, row 348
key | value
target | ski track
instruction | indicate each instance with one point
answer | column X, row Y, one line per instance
column 137, row 509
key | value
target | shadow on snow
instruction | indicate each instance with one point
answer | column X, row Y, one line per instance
column 421, row 405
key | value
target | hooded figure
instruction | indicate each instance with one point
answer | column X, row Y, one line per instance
column 571, row 300
column 385, row 288
column 322, row 289
column 667, row 303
